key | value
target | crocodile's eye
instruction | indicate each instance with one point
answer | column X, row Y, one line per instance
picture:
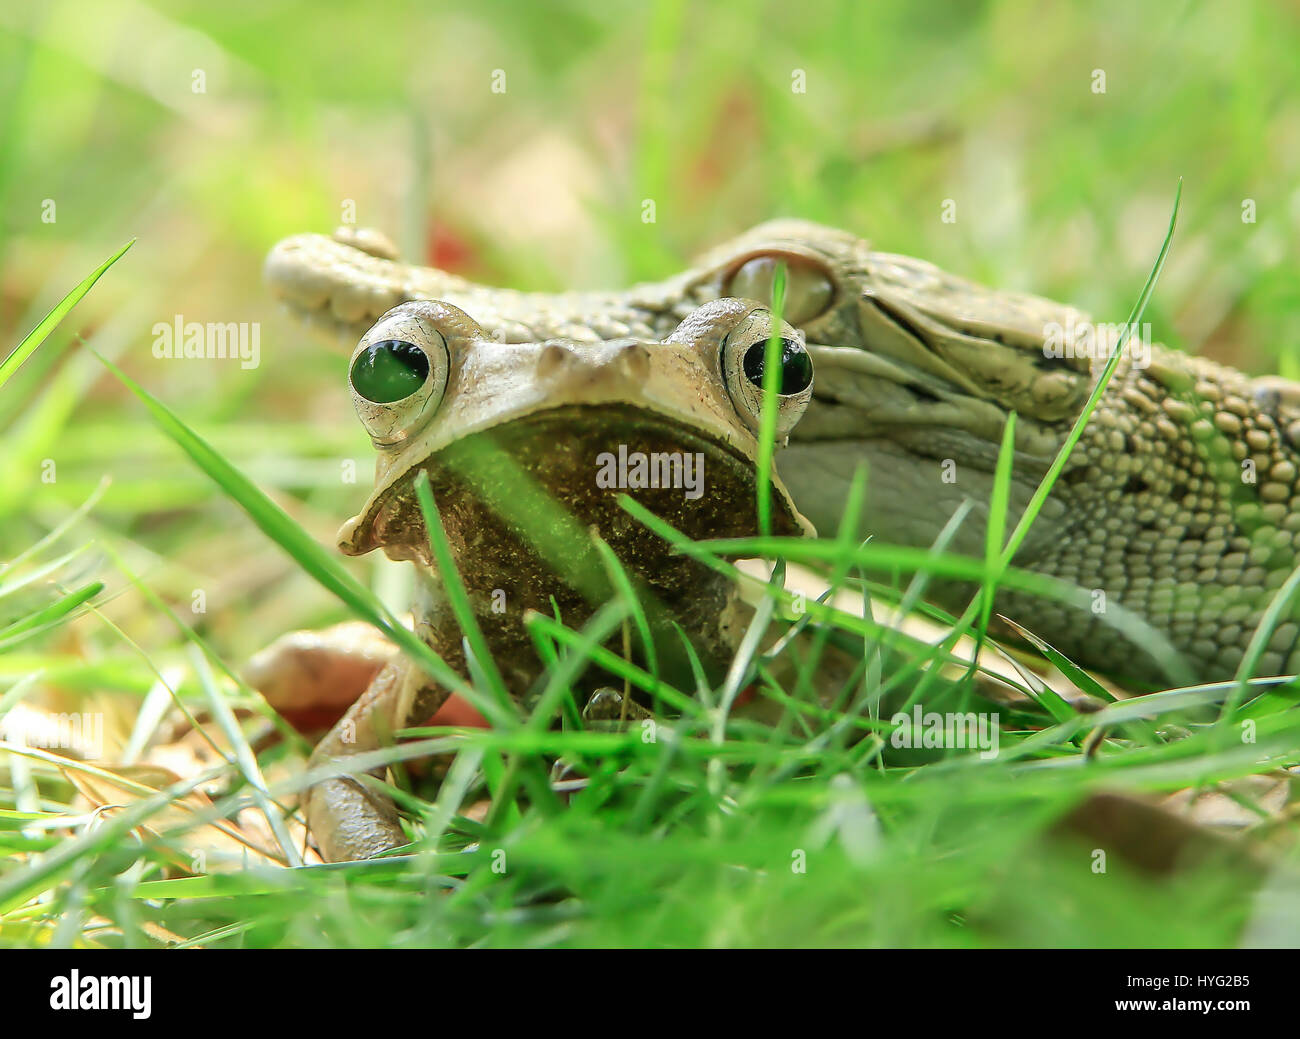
column 808, row 290
column 744, row 364
column 398, row 376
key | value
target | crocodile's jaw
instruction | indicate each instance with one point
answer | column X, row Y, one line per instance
column 909, row 498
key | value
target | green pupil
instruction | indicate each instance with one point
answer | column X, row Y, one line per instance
column 389, row 371
column 796, row 366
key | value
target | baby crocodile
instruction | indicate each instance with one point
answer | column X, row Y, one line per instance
column 1180, row 501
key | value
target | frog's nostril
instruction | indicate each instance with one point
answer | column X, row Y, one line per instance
column 553, row 358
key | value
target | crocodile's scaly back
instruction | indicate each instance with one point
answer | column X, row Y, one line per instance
column 1178, row 504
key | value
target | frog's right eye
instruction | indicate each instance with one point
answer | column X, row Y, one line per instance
column 398, row 376
column 389, row 371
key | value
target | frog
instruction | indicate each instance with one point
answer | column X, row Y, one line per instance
column 528, row 448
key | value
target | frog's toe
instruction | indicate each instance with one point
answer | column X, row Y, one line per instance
column 350, row 821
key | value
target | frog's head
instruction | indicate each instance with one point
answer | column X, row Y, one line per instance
column 504, row 428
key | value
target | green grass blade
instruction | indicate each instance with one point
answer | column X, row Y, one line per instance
column 1058, row 463
column 622, row 582
column 767, row 418
column 311, row 556
column 999, row 502
column 504, row 711
column 49, row 614
column 50, row 321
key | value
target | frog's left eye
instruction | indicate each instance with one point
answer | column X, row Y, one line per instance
column 398, row 376
column 744, row 365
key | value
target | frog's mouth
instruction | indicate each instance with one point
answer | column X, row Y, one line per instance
column 540, row 485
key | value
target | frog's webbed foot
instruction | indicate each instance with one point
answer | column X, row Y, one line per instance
column 349, row 818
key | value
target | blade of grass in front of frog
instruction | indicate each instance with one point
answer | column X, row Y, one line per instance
column 500, row 774
column 866, row 555
column 1192, row 761
column 561, row 541
column 39, row 620
column 551, row 531
column 780, row 730
column 1273, row 613
column 559, row 680
column 706, row 552
column 50, row 321
column 767, row 417
column 1267, row 701
column 916, row 587
column 1139, row 731
column 62, row 527
column 562, row 673
column 458, row 599
column 245, row 758
column 287, row 732
column 845, row 536
column 305, row 550
column 1103, row 380
column 1180, row 671
column 703, row 688
column 1062, row 663
column 452, row 792
column 994, row 529
column 873, row 556
column 547, row 653
column 737, row 673
column 616, row 665
column 743, row 661
column 623, row 583
column 809, row 550
column 19, row 885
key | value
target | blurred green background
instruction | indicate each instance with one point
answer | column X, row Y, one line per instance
column 209, row 132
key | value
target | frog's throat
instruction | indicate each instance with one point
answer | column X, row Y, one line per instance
column 559, row 472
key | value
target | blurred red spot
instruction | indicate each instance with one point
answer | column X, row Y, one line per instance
column 448, row 250
column 457, row 712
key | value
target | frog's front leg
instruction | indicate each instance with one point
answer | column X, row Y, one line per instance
column 350, row 819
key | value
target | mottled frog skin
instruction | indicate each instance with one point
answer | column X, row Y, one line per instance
column 515, row 438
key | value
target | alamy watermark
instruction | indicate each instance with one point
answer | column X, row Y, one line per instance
column 952, row 731
column 216, row 340
column 75, row 991
column 637, row 470
column 83, row 733
column 1096, row 342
